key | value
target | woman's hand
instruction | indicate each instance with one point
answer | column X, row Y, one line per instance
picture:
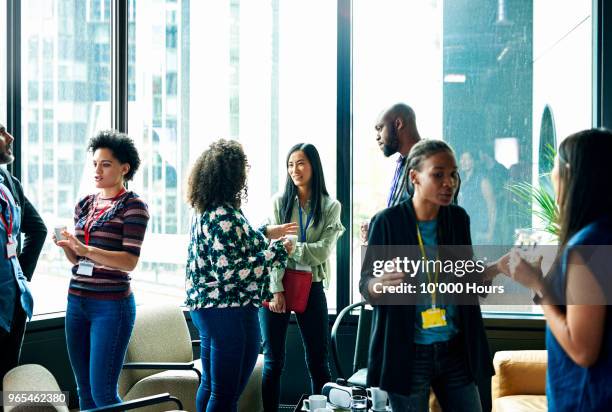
column 521, row 271
column 72, row 243
column 497, row 267
column 277, row 304
column 388, row 279
column 288, row 245
column 278, row 231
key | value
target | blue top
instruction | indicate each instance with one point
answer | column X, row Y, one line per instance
column 422, row 336
column 570, row 387
column 12, row 280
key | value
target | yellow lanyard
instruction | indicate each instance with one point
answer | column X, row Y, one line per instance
column 422, row 247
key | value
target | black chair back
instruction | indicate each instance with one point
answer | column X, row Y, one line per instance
column 362, row 343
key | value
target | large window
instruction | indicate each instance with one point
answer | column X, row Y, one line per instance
column 236, row 69
column 501, row 81
column 65, row 88
column 479, row 75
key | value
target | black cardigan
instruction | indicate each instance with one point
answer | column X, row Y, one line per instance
column 392, row 339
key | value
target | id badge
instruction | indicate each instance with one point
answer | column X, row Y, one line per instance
column 433, row 318
column 305, row 268
column 85, row 268
column 11, row 249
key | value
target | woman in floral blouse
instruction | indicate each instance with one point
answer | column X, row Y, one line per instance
column 228, row 273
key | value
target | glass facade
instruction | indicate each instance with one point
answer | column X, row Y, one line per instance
column 491, row 77
column 197, row 71
column 488, row 77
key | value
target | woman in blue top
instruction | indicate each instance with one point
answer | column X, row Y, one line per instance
column 574, row 294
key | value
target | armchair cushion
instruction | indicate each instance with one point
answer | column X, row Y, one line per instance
column 519, row 383
column 31, row 378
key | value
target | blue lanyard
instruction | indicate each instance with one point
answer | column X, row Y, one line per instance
column 302, row 228
column 396, row 179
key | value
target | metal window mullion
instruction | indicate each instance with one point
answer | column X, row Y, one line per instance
column 602, row 64
column 13, row 78
column 119, row 65
column 344, row 150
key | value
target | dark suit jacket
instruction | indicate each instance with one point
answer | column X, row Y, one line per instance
column 392, row 339
column 32, row 226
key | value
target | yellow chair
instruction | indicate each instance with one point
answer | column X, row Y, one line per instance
column 519, row 384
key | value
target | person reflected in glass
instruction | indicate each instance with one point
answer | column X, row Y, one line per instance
column 431, row 342
column 109, row 228
column 305, row 206
column 577, row 289
column 227, row 274
column 476, row 191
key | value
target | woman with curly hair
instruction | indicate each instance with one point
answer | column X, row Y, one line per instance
column 109, row 227
column 228, row 271
column 306, row 206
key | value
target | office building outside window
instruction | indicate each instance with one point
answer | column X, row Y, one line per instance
column 479, row 75
column 197, row 71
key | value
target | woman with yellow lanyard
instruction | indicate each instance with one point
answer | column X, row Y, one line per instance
column 431, row 343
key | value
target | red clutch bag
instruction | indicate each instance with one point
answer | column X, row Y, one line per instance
column 297, row 288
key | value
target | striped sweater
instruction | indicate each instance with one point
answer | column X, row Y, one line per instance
column 122, row 227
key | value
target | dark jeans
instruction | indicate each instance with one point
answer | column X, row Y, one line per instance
column 97, row 334
column 314, row 328
column 230, row 345
column 442, row 366
column 10, row 342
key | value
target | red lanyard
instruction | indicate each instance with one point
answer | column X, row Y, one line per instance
column 91, row 217
column 8, row 226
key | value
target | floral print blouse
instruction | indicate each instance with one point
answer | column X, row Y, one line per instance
column 229, row 262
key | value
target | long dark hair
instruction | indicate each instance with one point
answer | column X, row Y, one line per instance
column 585, row 175
column 317, row 185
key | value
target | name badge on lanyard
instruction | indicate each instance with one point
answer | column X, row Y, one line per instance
column 85, row 268
column 433, row 318
column 11, row 248
column 11, row 243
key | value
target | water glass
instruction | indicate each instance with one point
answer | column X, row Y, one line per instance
column 359, row 403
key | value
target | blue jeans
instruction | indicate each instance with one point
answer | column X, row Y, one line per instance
column 314, row 328
column 230, row 345
column 97, row 335
column 442, row 366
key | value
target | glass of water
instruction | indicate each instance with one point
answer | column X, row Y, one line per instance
column 359, row 403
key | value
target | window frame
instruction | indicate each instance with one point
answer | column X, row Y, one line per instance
column 601, row 92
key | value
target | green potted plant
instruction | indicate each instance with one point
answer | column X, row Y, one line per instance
column 539, row 199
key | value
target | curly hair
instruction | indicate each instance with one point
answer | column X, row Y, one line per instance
column 218, row 176
column 122, row 147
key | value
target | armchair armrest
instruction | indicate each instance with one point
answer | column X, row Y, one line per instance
column 138, row 403
column 519, row 373
column 187, row 366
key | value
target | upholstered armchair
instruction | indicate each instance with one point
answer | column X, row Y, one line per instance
column 160, row 359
